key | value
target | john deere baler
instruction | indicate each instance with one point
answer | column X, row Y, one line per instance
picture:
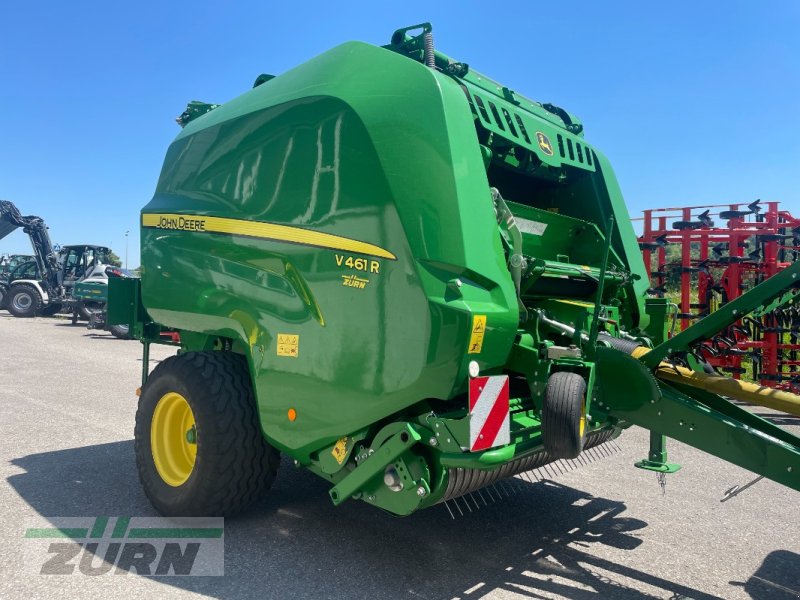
column 415, row 282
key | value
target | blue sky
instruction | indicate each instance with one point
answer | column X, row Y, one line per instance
column 693, row 102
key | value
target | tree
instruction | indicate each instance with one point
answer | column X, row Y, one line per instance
column 113, row 259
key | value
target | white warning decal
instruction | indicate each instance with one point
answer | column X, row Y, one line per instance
column 532, row 227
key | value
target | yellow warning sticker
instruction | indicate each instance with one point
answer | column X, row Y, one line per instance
column 340, row 450
column 288, row 345
column 478, row 331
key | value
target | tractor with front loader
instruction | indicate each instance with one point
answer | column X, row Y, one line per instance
column 74, row 276
column 415, row 282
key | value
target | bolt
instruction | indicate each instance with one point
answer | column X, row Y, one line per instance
column 735, row 312
column 433, row 441
column 789, row 469
column 680, row 423
column 458, row 283
column 659, row 413
column 480, row 436
column 421, row 491
column 448, row 440
column 296, row 463
column 371, row 498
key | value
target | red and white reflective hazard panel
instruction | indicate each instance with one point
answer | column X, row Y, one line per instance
column 489, row 424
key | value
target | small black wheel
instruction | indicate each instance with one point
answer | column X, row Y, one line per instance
column 120, row 331
column 24, row 301
column 198, row 441
column 564, row 415
column 87, row 309
column 50, row 309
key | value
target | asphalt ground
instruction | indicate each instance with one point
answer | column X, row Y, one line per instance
column 605, row 530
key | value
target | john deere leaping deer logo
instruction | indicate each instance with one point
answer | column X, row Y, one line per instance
column 544, row 143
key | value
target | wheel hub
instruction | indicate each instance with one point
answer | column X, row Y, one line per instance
column 173, row 439
column 22, row 301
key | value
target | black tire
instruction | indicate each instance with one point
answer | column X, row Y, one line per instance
column 3, row 296
column 86, row 309
column 50, row 309
column 564, row 415
column 234, row 464
column 120, row 331
column 24, row 301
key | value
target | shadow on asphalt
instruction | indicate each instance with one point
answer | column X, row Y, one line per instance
column 295, row 544
column 776, row 579
column 779, row 418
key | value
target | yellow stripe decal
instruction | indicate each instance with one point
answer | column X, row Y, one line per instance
column 267, row 231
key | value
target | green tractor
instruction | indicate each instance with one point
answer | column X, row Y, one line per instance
column 9, row 263
column 415, row 282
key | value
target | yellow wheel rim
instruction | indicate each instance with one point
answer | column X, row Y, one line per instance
column 582, row 423
column 173, row 439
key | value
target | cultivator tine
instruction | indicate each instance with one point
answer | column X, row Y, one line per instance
column 447, row 506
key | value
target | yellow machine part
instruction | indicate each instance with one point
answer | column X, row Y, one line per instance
column 725, row 386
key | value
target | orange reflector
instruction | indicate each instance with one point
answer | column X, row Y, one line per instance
column 292, row 414
column 138, row 391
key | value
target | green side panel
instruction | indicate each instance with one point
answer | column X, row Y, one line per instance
column 624, row 240
column 94, row 291
column 313, row 150
column 124, row 302
column 519, row 126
